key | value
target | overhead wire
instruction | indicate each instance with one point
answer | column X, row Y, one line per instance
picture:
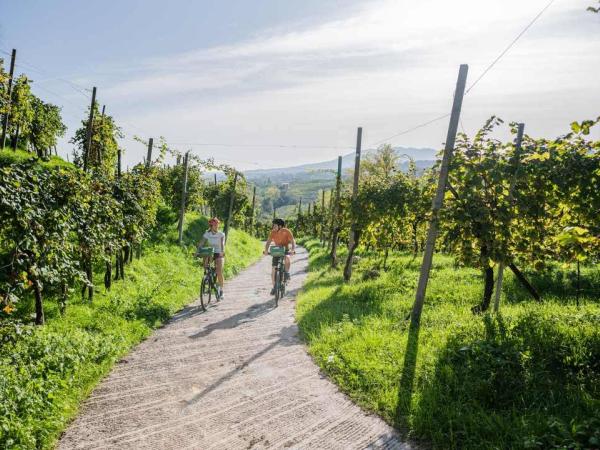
column 478, row 79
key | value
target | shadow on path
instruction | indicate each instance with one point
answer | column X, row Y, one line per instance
column 286, row 337
column 250, row 315
column 186, row 313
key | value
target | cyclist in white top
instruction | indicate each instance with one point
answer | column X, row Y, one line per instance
column 215, row 239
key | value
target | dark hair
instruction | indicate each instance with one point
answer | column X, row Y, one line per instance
column 279, row 222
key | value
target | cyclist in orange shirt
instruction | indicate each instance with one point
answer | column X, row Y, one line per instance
column 282, row 237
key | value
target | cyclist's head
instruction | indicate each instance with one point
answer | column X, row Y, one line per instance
column 213, row 222
column 279, row 222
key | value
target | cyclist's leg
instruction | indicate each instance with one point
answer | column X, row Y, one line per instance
column 219, row 268
column 206, row 262
column 287, row 263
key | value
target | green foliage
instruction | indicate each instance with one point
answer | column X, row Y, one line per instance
column 528, row 378
column 171, row 185
column 102, row 155
column 38, row 214
column 218, row 198
column 46, row 372
column 34, row 122
column 46, row 127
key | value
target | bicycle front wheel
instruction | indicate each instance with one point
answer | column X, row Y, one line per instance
column 205, row 292
column 277, row 287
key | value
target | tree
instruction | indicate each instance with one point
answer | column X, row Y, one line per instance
column 381, row 164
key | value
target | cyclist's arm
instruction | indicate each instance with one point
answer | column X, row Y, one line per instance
column 223, row 245
column 267, row 245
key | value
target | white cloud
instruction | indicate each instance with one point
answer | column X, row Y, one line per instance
column 388, row 66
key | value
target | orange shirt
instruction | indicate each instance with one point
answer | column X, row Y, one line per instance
column 283, row 237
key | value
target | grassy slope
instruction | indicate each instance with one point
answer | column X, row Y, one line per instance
column 48, row 371
column 468, row 381
column 9, row 156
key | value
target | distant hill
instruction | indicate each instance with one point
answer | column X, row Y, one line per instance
column 424, row 157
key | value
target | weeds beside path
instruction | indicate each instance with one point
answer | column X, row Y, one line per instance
column 46, row 372
column 528, row 378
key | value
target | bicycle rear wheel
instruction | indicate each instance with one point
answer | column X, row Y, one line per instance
column 205, row 292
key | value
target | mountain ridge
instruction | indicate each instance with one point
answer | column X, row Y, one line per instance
column 424, row 157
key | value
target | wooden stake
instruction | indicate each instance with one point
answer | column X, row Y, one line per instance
column 11, row 72
column 252, row 210
column 439, row 197
column 119, row 163
column 88, row 139
column 183, row 197
column 230, row 213
column 323, row 218
column 354, row 232
column 513, row 181
column 335, row 217
column 149, row 155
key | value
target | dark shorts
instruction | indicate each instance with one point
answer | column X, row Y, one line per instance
column 276, row 258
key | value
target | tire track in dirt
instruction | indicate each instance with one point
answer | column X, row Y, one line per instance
column 237, row 376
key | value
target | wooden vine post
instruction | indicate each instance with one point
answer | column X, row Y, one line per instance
column 323, row 218
column 354, row 231
column 13, row 58
column 183, row 197
column 89, row 133
column 252, row 209
column 149, row 154
column 335, row 216
column 230, row 213
column 439, row 197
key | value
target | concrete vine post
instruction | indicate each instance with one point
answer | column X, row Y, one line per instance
column 439, row 197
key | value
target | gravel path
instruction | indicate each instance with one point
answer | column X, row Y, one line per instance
column 237, row 376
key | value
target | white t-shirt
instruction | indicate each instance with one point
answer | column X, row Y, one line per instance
column 214, row 240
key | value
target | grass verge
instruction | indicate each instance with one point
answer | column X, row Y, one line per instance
column 46, row 372
column 528, row 378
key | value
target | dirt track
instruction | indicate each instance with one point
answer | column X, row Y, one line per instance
column 234, row 377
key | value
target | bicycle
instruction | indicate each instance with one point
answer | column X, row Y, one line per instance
column 280, row 281
column 209, row 280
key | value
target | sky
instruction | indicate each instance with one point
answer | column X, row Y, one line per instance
column 273, row 83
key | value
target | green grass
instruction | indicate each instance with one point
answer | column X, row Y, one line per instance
column 529, row 378
column 9, row 156
column 46, row 372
